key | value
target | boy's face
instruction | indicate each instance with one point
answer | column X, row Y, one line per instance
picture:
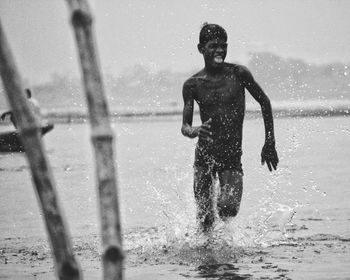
column 214, row 52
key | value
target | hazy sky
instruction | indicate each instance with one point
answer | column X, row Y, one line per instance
column 163, row 34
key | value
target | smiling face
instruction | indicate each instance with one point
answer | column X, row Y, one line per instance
column 214, row 52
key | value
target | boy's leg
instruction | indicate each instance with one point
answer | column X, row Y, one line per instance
column 203, row 192
column 231, row 188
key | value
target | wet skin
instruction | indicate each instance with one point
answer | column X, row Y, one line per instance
column 219, row 90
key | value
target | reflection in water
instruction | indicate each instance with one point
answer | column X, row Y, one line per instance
column 221, row 271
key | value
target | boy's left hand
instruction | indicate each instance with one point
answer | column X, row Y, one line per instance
column 269, row 155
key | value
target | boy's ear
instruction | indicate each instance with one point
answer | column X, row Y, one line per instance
column 200, row 48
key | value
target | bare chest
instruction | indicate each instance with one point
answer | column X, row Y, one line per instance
column 216, row 92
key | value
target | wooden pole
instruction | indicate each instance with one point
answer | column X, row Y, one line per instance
column 102, row 139
column 66, row 266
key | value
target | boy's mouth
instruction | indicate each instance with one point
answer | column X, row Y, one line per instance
column 218, row 59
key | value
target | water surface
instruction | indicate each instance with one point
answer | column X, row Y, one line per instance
column 304, row 202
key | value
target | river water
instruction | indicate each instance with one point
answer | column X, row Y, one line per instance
column 306, row 201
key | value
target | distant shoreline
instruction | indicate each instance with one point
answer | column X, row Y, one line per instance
column 284, row 109
column 308, row 108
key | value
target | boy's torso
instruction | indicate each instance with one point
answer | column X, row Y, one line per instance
column 222, row 99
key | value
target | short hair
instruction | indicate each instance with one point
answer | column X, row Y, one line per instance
column 210, row 31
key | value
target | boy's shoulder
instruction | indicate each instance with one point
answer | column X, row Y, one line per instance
column 240, row 70
column 195, row 78
column 237, row 68
column 198, row 76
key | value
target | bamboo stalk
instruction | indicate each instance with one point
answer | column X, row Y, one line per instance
column 102, row 138
column 66, row 266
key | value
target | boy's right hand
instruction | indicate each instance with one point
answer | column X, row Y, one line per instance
column 204, row 132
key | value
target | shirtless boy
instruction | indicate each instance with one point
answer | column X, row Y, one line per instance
column 219, row 90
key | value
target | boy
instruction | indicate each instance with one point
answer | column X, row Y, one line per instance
column 219, row 90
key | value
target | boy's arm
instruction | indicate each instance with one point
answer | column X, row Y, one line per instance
column 187, row 116
column 269, row 153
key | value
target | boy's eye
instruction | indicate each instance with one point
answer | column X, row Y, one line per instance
column 215, row 46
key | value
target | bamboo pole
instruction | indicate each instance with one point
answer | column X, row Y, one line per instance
column 102, row 139
column 66, row 266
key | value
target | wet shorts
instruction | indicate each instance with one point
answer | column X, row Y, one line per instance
column 218, row 158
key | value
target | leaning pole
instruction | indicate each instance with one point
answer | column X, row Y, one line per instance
column 102, row 138
column 66, row 266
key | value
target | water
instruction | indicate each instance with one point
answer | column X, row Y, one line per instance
column 305, row 202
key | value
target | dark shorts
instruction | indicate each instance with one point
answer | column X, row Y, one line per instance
column 218, row 157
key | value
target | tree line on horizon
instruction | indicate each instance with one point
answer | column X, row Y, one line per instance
column 282, row 79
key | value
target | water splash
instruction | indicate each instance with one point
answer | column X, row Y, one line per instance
column 179, row 242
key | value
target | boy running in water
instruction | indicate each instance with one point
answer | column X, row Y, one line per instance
column 219, row 90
